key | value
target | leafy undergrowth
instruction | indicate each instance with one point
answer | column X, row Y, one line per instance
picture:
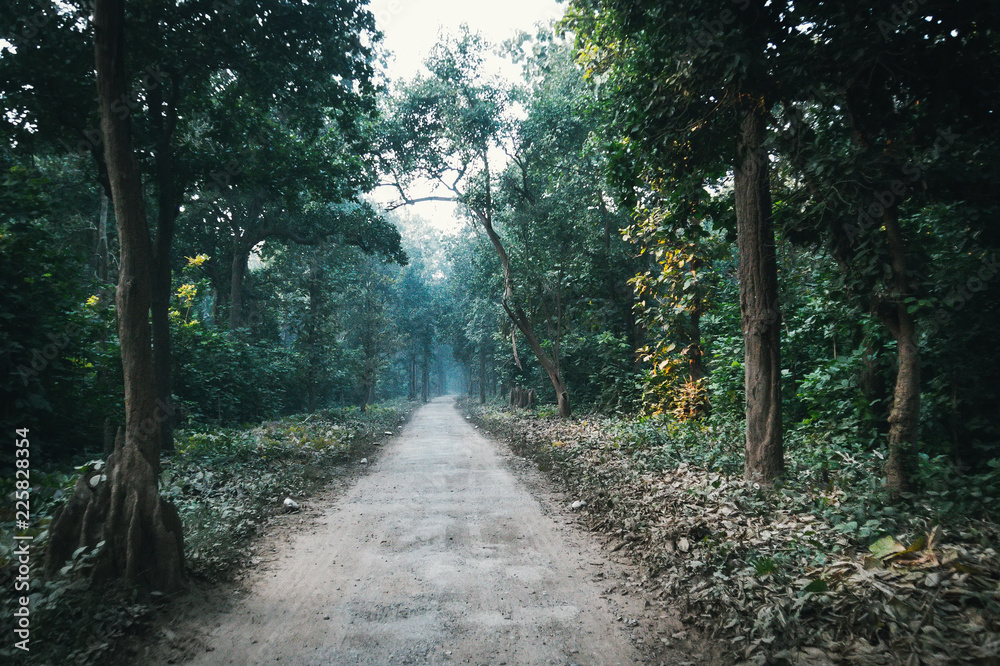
column 821, row 568
column 225, row 484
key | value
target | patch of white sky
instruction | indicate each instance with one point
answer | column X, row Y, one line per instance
column 411, row 28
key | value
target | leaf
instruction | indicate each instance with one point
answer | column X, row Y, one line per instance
column 849, row 526
column 817, row 586
column 885, row 547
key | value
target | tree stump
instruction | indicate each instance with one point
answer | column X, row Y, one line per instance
column 521, row 397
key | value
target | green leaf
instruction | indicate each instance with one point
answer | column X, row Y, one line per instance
column 886, row 547
column 850, row 526
column 817, row 586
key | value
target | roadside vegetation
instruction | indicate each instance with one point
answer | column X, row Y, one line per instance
column 820, row 567
column 227, row 484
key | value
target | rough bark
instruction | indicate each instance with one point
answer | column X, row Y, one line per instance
column 904, row 417
column 760, row 316
column 141, row 533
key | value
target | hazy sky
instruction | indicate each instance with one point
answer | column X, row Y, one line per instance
column 411, row 28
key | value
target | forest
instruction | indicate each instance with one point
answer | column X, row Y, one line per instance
column 724, row 268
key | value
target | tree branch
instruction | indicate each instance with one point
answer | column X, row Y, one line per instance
column 407, row 201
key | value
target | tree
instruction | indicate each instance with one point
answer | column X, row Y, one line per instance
column 675, row 293
column 371, row 328
column 682, row 98
column 878, row 123
column 138, row 533
column 445, row 129
column 251, row 219
column 56, row 367
column 304, row 66
column 565, row 226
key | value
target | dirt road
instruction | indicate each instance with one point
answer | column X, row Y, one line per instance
column 440, row 554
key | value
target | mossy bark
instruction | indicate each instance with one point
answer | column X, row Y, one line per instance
column 904, row 416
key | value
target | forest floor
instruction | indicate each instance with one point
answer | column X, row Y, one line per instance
column 449, row 549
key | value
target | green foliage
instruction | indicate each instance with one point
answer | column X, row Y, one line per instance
column 58, row 360
column 601, row 369
column 615, row 211
column 559, row 229
column 222, row 379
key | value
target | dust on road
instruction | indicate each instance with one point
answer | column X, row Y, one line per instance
column 438, row 555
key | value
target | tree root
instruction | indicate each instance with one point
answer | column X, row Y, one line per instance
column 117, row 507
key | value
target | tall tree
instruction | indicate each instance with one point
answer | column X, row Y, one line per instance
column 448, row 128
column 309, row 64
column 877, row 115
column 690, row 86
column 138, row 531
column 561, row 221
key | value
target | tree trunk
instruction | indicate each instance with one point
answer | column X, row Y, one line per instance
column 218, row 299
column 522, row 323
column 312, row 337
column 161, row 351
column 102, row 256
column 491, row 379
column 513, row 310
column 760, row 317
column 413, row 377
column 482, row 374
column 241, row 258
column 425, row 379
column 520, row 319
column 696, row 367
column 873, row 387
column 141, row 532
column 904, row 417
column 164, row 121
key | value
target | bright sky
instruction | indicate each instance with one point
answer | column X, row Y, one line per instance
column 411, row 28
